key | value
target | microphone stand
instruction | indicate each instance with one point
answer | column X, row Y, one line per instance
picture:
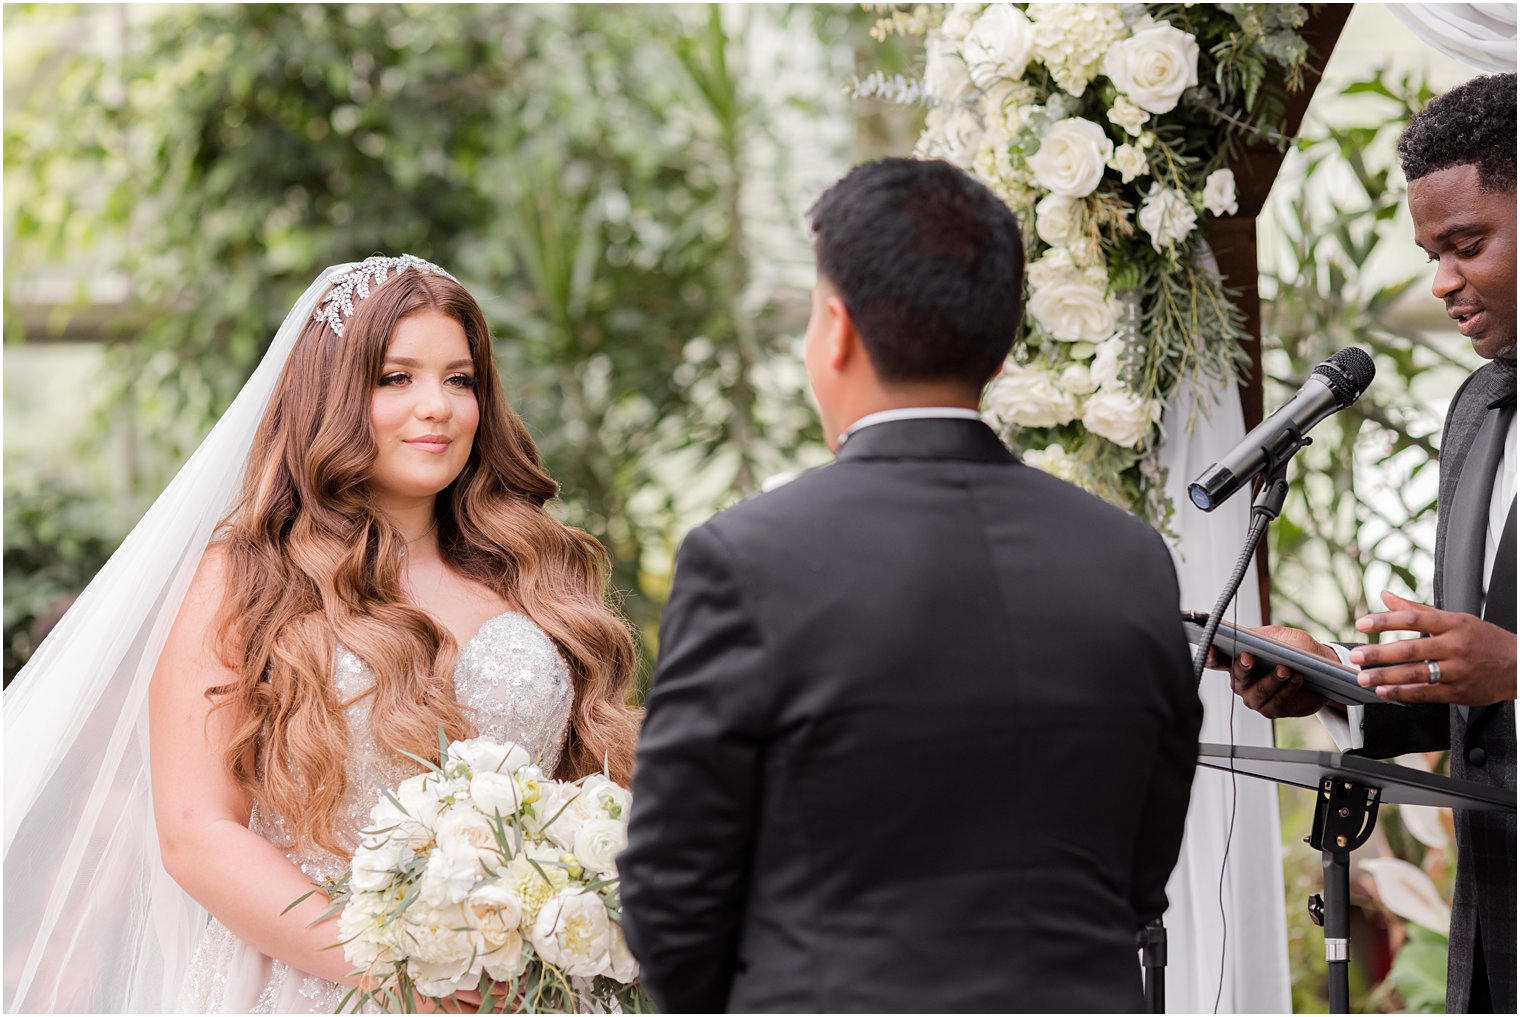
column 1267, row 507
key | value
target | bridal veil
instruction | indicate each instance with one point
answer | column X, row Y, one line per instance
column 92, row 920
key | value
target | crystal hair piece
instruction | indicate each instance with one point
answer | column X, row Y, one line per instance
column 354, row 285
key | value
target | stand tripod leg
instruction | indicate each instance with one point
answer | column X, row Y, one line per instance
column 1344, row 816
column 1337, row 872
column 1153, row 956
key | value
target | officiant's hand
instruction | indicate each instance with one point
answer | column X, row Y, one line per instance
column 1274, row 691
column 1474, row 660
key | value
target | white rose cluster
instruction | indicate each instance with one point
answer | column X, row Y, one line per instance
column 1167, row 215
column 486, row 865
column 1071, row 302
column 1153, row 67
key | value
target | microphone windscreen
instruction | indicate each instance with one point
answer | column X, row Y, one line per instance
column 1348, row 373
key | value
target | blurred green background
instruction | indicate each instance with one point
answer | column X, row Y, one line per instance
column 623, row 188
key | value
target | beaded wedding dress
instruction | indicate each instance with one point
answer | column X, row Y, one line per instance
column 517, row 687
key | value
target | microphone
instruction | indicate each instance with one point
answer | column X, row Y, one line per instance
column 1333, row 386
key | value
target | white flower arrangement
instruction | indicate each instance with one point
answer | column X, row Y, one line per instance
column 485, row 874
column 1109, row 132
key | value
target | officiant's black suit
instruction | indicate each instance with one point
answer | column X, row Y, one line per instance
column 921, row 737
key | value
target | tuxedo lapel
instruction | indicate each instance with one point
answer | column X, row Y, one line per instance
column 1499, row 608
column 1462, row 562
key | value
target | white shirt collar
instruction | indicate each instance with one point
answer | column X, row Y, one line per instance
column 910, row 413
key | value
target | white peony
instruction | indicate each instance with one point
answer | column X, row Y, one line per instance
column 442, row 952
column 1154, row 66
column 597, row 844
column 534, row 885
column 607, row 796
column 1030, row 397
column 1073, row 305
column 495, row 913
column 945, row 74
column 1167, row 216
column 485, row 756
column 1056, row 220
column 453, row 869
column 463, row 826
column 573, row 933
column 998, row 45
column 1107, row 362
column 1219, row 193
column 1120, row 416
column 1071, row 158
column 1127, row 115
column 1129, row 161
column 622, row 965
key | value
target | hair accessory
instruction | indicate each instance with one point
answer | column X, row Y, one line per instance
column 354, row 285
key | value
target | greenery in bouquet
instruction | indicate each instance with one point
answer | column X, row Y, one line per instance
column 483, row 873
column 1109, row 129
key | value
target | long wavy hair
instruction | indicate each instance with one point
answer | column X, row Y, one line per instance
column 311, row 563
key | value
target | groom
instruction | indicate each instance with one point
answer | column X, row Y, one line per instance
column 922, row 732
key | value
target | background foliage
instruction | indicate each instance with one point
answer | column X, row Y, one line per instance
column 581, row 168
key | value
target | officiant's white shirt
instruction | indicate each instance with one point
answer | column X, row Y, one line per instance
column 911, row 413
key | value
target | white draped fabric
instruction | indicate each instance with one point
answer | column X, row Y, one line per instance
column 1253, row 926
column 1482, row 35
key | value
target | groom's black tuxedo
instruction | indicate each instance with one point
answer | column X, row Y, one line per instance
column 921, row 737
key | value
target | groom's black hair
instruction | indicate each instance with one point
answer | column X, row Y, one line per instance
column 930, row 264
column 1473, row 124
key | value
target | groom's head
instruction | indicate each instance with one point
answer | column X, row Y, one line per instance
column 920, row 279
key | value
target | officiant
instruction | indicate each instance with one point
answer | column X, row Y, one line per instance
column 1457, row 674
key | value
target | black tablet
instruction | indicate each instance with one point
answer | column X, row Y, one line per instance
column 1333, row 681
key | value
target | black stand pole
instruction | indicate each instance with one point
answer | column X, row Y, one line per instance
column 1267, row 507
column 1152, row 940
column 1344, row 817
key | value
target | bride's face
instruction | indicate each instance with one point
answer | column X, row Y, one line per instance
column 423, row 412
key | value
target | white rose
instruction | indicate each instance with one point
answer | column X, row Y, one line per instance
column 495, row 793
column 608, row 797
column 483, row 755
column 453, row 869
column 1120, row 416
column 1127, row 115
column 1077, row 378
column 1003, row 105
column 958, row 22
column 1055, row 219
column 376, row 861
column 1129, row 160
column 962, row 134
column 1154, row 66
column 1075, row 307
column 367, row 938
column 408, row 815
column 597, row 844
column 1053, row 460
column 945, row 74
column 998, row 45
column 573, row 933
column 1167, row 216
column 1071, row 158
column 1031, row 397
column 1107, row 362
column 1219, row 193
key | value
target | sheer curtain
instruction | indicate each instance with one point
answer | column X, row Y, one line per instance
column 1232, row 848
column 1482, row 35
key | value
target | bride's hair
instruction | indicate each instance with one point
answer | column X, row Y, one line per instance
column 309, row 562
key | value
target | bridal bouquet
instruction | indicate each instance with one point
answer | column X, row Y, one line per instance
column 483, row 870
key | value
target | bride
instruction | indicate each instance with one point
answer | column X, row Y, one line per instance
column 386, row 570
